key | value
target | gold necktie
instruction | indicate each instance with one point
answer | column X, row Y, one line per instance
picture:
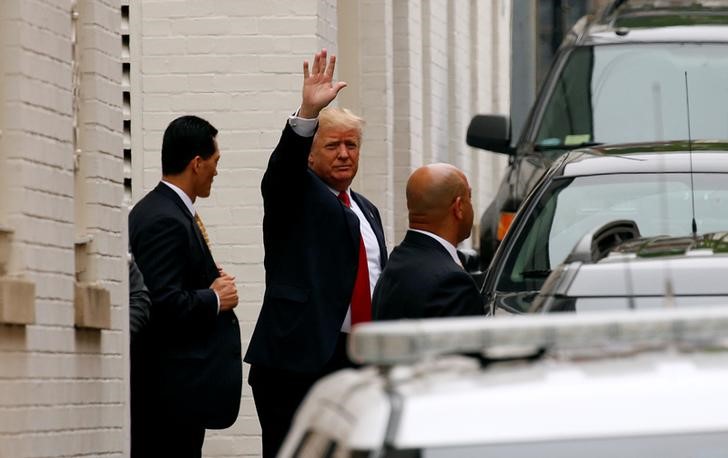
column 198, row 220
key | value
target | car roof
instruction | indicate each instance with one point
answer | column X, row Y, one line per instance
column 667, row 157
column 675, row 34
column 692, row 265
column 440, row 399
column 450, row 402
column 640, row 21
column 549, row 400
column 699, row 275
column 659, row 246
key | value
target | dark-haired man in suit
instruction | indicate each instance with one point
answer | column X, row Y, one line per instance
column 324, row 249
column 424, row 277
column 194, row 367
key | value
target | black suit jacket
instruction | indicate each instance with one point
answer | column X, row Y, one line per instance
column 423, row 281
column 311, row 252
column 195, row 367
column 139, row 303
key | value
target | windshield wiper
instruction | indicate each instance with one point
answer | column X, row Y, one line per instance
column 535, row 273
column 541, row 147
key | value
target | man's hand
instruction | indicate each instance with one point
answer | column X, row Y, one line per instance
column 318, row 86
column 224, row 286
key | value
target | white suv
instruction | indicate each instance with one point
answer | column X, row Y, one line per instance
column 627, row 384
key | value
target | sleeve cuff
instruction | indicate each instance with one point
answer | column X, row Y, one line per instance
column 304, row 127
column 217, row 298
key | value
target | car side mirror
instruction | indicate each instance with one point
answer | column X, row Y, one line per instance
column 490, row 132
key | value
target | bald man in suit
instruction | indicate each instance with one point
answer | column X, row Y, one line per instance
column 424, row 277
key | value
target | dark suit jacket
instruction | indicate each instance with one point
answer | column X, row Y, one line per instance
column 195, row 355
column 423, row 281
column 139, row 305
column 311, row 252
column 139, row 302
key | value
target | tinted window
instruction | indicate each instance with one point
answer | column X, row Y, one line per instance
column 636, row 92
column 660, row 204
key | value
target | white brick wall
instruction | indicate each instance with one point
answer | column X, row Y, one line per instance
column 491, row 92
column 421, row 76
column 369, row 70
column 408, row 105
column 237, row 64
column 63, row 391
column 417, row 72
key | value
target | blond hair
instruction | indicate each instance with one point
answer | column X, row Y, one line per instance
column 335, row 117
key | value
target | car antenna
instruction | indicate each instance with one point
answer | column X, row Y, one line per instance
column 669, row 288
column 690, row 153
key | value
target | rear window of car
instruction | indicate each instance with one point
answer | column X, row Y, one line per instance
column 660, row 204
column 627, row 93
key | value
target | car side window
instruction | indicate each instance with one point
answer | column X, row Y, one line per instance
column 527, row 262
column 660, row 204
column 568, row 114
column 644, row 83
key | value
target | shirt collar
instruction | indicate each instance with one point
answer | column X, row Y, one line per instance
column 336, row 193
column 448, row 246
column 182, row 195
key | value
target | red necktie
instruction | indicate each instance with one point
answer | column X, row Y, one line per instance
column 361, row 300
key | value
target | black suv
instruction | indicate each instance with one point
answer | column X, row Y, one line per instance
column 620, row 76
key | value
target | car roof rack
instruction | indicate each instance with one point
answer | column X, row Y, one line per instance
column 620, row 8
column 612, row 8
column 408, row 341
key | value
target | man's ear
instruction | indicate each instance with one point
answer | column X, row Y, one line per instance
column 195, row 163
column 458, row 207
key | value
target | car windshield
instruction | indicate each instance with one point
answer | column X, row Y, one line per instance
column 630, row 93
column 660, row 204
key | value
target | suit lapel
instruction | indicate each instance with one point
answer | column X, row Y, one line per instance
column 171, row 195
column 352, row 222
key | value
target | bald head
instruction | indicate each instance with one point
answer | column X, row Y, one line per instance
column 431, row 189
column 438, row 201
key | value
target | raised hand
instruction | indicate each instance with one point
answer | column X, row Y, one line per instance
column 318, row 86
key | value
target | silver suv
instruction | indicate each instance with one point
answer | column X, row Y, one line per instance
column 618, row 77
